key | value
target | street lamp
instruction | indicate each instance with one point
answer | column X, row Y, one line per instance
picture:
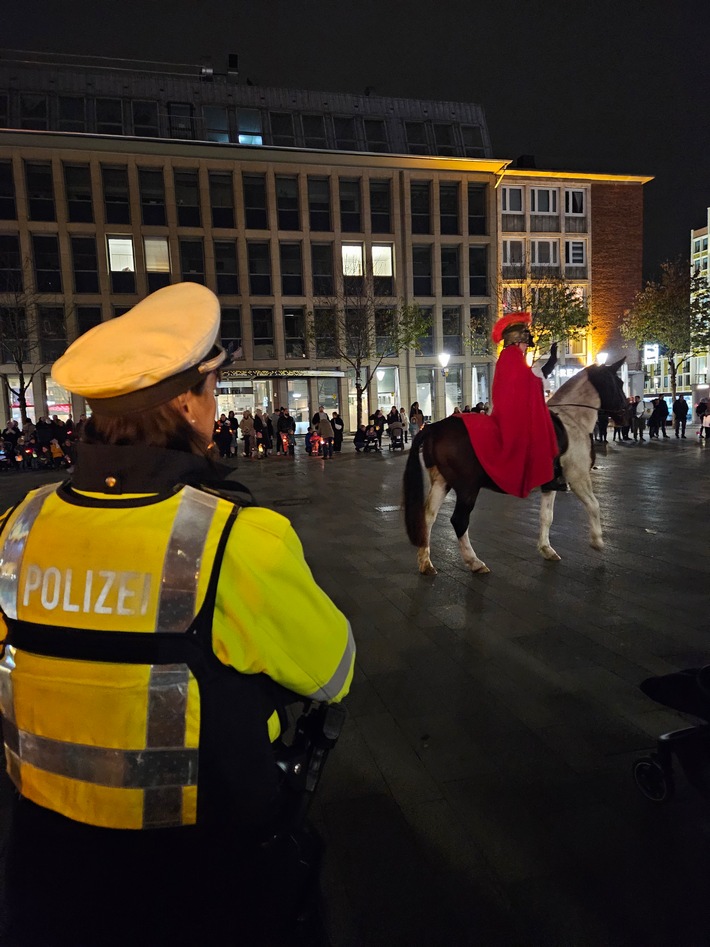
column 444, row 361
column 602, row 357
column 380, row 374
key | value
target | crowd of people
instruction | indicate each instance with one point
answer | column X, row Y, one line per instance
column 649, row 420
column 48, row 443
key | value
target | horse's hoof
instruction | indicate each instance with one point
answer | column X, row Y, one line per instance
column 597, row 544
column 481, row 570
column 428, row 570
column 549, row 553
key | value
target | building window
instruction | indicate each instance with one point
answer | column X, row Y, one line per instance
column 87, row 317
column 416, row 138
column 450, row 272
column 152, row 193
column 381, row 206
column 451, row 337
column 319, row 204
column 192, row 260
column 478, row 209
column 421, row 268
column 514, row 255
column 262, row 324
column 512, row 299
column 350, row 216
column 225, row 263
column 109, row 116
column 259, row 259
column 52, row 332
column 376, row 135
column 384, row 325
column 231, row 328
column 8, row 209
column 121, row 264
column 116, row 202
column 221, row 199
column 512, row 200
column 425, row 346
column 40, row 191
column 4, row 110
column 14, row 340
column 314, row 132
column 10, row 264
column 291, row 269
column 382, row 270
column 120, row 311
column 326, row 344
column 449, row 208
column 33, row 111
column 249, row 131
column 353, row 268
column 187, row 197
column 478, row 271
column 472, row 141
column 77, row 186
column 444, row 140
column 71, row 113
column 145, row 119
column 287, row 203
column 322, row 268
column 544, row 253
column 86, row 265
column 255, row 206
column 575, row 204
column 480, row 330
column 216, row 123
column 180, row 120
column 575, row 253
column 543, row 200
column 345, row 134
column 421, row 207
column 282, row 133
column 157, row 262
column 294, row 333
column 48, row 277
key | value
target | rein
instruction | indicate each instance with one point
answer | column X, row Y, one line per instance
column 571, row 404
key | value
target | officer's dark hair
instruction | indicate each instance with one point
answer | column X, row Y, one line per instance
column 164, row 426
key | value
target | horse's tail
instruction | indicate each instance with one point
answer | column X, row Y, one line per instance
column 413, row 498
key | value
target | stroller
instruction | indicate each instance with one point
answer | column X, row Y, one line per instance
column 689, row 692
column 396, row 439
column 371, row 442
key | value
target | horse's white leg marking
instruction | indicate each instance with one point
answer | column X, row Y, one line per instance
column 433, row 504
column 469, row 556
column 547, row 509
column 581, row 483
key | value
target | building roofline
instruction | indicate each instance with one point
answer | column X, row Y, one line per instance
column 580, row 175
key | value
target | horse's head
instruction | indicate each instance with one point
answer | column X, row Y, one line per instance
column 609, row 387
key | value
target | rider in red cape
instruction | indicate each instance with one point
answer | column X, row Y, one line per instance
column 516, row 443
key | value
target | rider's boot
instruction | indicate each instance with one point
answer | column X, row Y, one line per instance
column 558, row 482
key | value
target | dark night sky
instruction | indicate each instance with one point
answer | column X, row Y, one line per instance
column 613, row 85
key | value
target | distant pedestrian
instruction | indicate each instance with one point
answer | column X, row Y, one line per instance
column 680, row 415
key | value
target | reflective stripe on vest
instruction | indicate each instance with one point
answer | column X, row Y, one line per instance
column 164, row 766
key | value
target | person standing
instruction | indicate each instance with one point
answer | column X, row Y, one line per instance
column 638, row 418
column 246, row 426
column 416, row 419
column 405, row 423
column 286, row 428
column 326, row 433
column 140, row 717
column 680, row 415
column 338, row 431
column 275, row 424
column 602, row 425
column 662, row 416
column 377, row 420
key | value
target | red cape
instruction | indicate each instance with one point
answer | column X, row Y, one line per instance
column 516, row 443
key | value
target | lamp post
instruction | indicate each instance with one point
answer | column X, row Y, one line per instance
column 602, row 357
column 444, row 361
column 380, row 374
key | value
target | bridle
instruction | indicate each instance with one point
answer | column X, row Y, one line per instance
column 572, row 404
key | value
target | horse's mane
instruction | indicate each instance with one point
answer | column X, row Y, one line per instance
column 603, row 377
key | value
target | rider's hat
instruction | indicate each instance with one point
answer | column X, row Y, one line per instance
column 512, row 328
column 160, row 348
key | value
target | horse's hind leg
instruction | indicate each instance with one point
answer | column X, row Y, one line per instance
column 460, row 520
column 437, row 493
column 582, row 486
column 547, row 509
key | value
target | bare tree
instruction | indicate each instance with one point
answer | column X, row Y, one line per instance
column 32, row 329
column 361, row 329
column 674, row 312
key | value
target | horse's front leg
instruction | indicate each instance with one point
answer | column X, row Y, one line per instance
column 582, row 486
column 460, row 520
column 437, row 493
column 547, row 509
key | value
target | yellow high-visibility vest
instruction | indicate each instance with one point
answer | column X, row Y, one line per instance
column 120, row 699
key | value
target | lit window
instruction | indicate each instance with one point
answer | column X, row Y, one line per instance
column 543, row 200
column 120, row 254
column 249, row 127
column 352, row 259
column 575, row 203
column 157, row 256
column 512, row 198
column 381, row 260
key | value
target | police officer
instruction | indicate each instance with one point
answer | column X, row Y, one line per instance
column 155, row 625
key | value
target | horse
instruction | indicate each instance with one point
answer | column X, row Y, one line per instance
column 452, row 464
